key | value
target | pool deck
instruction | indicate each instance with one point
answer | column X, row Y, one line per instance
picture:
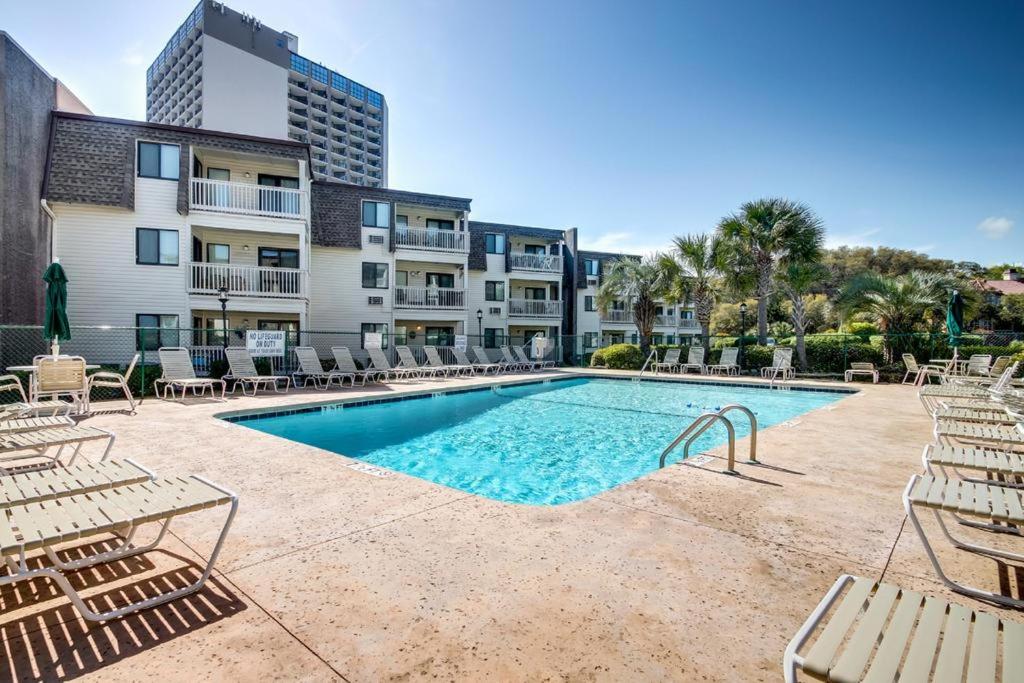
column 331, row 573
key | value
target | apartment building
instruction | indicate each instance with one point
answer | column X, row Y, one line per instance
column 224, row 70
column 149, row 240
column 27, row 96
column 674, row 324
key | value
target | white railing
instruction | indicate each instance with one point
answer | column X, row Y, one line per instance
column 431, row 240
column 617, row 316
column 547, row 263
column 534, row 308
column 275, row 283
column 665, row 320
column 438, row 298
column 203, row 358
column 250, row 199
column 689, row 324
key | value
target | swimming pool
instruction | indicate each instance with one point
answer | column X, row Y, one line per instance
column 542, row 443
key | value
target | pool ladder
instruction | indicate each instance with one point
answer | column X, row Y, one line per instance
column 653, row 355
column 704, row 422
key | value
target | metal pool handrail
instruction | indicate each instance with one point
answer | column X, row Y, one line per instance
column 701, row 425
column 653, row 354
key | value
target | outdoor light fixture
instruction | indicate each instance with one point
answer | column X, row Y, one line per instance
column 479, row 323
column 743, row 330
column 223, row 299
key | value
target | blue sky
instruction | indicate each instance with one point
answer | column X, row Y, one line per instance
column 899, row 123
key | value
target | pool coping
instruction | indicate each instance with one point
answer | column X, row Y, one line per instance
column 238, row 416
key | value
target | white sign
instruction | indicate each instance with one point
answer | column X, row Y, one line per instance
column 263, row 343
column 540, row 347
column 373, row 340
column 461, row 342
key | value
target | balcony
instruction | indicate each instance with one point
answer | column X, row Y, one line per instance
column 261, row 281
column 543, row 263
column 430, row 298
column 534, row 308
column 617, row 316
column 665, row 320
column 248, row 199
column 689, row 324
column 426, row 239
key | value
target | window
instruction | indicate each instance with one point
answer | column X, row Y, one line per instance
column 591, row 266
column 588, row 303
column 375, row 276
column 590, row 340
column 670, row 339
column 534, row 293
column 686, row 315
column 494, row 290
column 163, row 331
column 279, row 325
column 442, row 280
column 300, row 64
column 156, row 247
column 495, row 243
column 373, row 98
column 535, row 249
column 493, row 337
column 357, row 91
column 435, row 224
column 218, row 253
column 339, row 82
column 158, row 161
column 401, row 278
column 401, row 221
column 273, row 257
column 376, row 214
column 440, row 336
column 374, row 327
column 319, row 73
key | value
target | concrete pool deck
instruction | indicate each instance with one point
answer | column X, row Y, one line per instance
column 331, row 573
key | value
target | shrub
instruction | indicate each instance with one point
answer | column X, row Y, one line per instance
column 863, row 330
column 722, row 342
column 618, row 357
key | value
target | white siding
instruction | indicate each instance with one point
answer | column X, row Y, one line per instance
column 338, row 300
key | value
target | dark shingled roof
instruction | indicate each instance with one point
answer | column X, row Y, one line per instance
column 336, row 219
column 477, row 243
column 602, row 256
column 91, row 159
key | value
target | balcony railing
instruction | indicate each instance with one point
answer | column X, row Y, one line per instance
column 433, row 298
column 250, row 199
column 689, row 324
column 431, row 240
column 665, row 320
column 534, row 308
column 545, row 263
column 617, row 316
column 262, row 281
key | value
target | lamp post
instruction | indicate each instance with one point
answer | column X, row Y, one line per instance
column 223, row 299
column 480, row 325
column 743, row 329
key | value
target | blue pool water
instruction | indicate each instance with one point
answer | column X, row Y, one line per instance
column 541, row 443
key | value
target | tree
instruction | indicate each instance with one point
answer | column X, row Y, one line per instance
column 796, row 280
column 766, row 234
column 845, row 263
column 641, row 282
column 1011, row 309
column 694, row 271
column 726, row 318
column 900, row 304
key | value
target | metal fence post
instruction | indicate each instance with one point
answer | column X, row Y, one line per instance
column 142, row 369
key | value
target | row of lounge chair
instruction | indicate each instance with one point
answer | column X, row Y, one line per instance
column 728, row 363
column 974, row 474
column 48, row 499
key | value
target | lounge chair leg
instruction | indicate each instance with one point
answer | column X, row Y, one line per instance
column 963, row 545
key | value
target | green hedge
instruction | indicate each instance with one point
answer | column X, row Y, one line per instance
column 618, row 357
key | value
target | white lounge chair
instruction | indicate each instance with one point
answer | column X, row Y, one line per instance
column 434, row 361
column 1001, row 508
column 483, row 360
column 122, row 510
column 242, row 370
column 48, row 444
column 513, row 363
column 344, row 362
column 953, row 432
column 880, row 632
column 867, row 369
column 728, row 363
column 978, row 365
column 408, row 361
column 26, row 408
column 178, row 373
column 114, row 380
column 482, row 368
column 311, row 369
column 381, row 364
column 990, row 465
column 29, row 424
column 670, row 363
column 921, row 372
column 539, row 362
column 694, row 361
column 39, row 485
column 781, row 367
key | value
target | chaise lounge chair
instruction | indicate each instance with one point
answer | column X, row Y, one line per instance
column 694, row 361
column 513, row 363
column 781, row 367
column 31, row 487
column 1001, row 507
column 345, row 363
column 1002, row 468
column 34, row 444
column 242, row 370
column 379, row 362
column 540, row 363
column 484, row 361
column 122, row 510
column 311, row 369
column 408, row 361
column 434, row 361
column 867, row 369
column 481, row 368
column 919, row 372
column 670, row 363
column 29, row 424
column 26, row 408
column 728, row 363
column 979, row 433
column 178, row 372
column 870, row 635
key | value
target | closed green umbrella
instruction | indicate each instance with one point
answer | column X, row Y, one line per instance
column 955, row 318
column 55, row 323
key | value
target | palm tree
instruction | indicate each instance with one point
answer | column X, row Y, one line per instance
column 796, row 280
column 899, row 304
column 694, row 268
column 641, row 282
column 765, row 234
